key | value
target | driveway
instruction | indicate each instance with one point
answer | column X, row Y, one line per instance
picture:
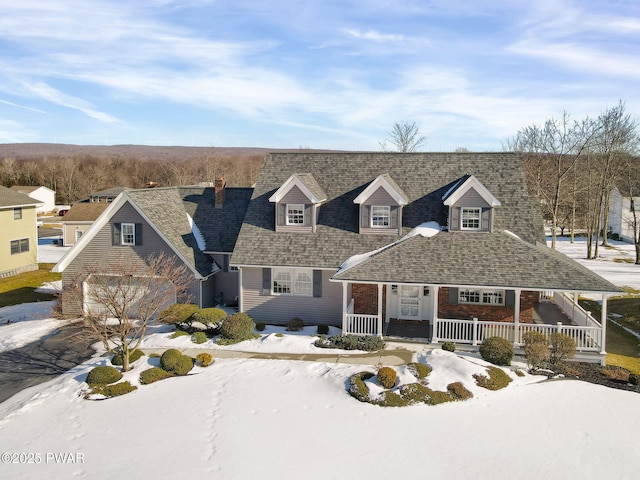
column 41, row 360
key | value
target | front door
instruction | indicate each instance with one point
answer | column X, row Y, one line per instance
column 410, row 302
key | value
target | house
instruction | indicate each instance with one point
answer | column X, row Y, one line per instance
column 197, row 226
column 78, row 220
column 18, row 232
column 44, row 195
column 449, row 246
column 105, row 196
column 621, row 219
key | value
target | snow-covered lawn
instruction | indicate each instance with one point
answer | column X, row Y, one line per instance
column 23, row 324
column 48, row 252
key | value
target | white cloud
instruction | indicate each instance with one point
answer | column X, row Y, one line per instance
column 374, row 35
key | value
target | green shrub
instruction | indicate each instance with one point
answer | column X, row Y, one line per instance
column 209, row 316
column 357, row 388
column 153, row 375
column 497, row 350
column 279, row 335
column 634, row 379
column 449, row 346
column 519, row 373
column 175, row 362
column 419, row 370
column 199, row 337
column 114, row 390
column 458, row 391
column 537, row 355
column 260, row 327
column 295, row 325
column 133, row 356
column 561, row 347
column 238, row 327
column 415, row 393
column 387, row 377
column 391, row 399
column 204, row 359
column 179, row 333
column 103, row 375
column 438, row 397
column 367, row 343
column 323, row 329
column 178, row 313
column 496, row 380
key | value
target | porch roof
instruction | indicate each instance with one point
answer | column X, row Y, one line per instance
column 498, row 259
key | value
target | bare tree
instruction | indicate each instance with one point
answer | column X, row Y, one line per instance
column 122, row 297
column 405, row 137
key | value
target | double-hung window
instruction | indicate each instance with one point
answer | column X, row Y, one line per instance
column 17, row 213
column 292, row 281
column 128, row 234
column 295, row 214
column 380, row 216
column 470, row 218
column 19, row 246
column 481, row 297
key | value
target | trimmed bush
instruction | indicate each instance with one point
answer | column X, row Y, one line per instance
column 459, row 392
column 357, row 387
column 103, row 375
column 238, row 327
column 204, row 359
column 496, row 380
column 175, row 362
column 387, row 377
column 537, row 355
column 415, row 393
column 561, row 348
column 438, row 397
column 178, row 333
column 533, row 337
column 153, row 375
column 209, row 316
column 260, row 327
column 323, row 329
column 391, row 399
column 449, row 346
column 295, row 325
column 497, row 350
column 367, row 343
column 199, row 337
column 133, row 356
column 419, row 370
column 114, row 390
column 178, row 313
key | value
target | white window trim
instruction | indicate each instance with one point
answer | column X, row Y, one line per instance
column 388, row 212
column 133, row 234
column 481, row 293
column 469, row 209
column 296, row 286
column 294, row 206
column 79, row 232
column 17, row 213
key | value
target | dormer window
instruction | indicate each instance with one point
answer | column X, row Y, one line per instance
column 295, row 214
column 380, row 216
column 471, row 219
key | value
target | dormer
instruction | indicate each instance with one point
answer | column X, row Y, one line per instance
column 470, row 205
column 297, row 203
column 381, row 206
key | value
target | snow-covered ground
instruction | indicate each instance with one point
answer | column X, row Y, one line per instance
column 23, row 324
column 48, row 252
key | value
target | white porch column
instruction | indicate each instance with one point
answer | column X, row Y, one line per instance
column 603, row 323
column 344, row 307
column 434, row 324
column 380, row 310
column 516, row 318
column 240, row 286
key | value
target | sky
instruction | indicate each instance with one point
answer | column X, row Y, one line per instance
column 309, row 74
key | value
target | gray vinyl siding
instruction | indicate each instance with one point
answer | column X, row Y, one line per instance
column 294, row 195
column 380, row 198
column 471, row 199
column 226, row 281
column 279, row 309
column 100, row 253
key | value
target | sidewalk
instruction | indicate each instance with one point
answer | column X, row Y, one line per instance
column 395, row 357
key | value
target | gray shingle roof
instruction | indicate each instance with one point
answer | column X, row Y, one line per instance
column 470, row 258
column 84, row 212
column 167, row 209
column 423, row 177
column 12, row 198
column 312, row 185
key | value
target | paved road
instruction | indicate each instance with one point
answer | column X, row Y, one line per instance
column 41, row 361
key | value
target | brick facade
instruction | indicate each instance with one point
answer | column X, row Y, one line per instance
column 365, row 298
column 487, row 313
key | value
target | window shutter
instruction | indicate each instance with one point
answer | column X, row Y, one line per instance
column 486, row 219
column 138, row 234
column 317, row 283
column 453, row 296
column 393, row 221
column 365, row 216
column 307, row 215
column 454, row 218
column 225, row 263
column 266, row 281
column 510, row 298
column 115, row 237
column 281, row 212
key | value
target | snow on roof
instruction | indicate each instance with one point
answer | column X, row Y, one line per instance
column 197, row 234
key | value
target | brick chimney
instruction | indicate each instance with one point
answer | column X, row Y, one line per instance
column 218, row 186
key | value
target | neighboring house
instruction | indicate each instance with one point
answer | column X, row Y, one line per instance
column 449, row 245
column 104, row 196
column 18, row 232
column 78, row 220
column 621, row 213
column 44, row 195
column 196, row 226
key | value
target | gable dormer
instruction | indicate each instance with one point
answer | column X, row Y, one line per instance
column 297, row 204
column 381, row 206
column 470, row 205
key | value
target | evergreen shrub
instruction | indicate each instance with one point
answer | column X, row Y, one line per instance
column 497, row 350
column 103, row 375
column 238, row 327
column 153, row 375
column 387, row 377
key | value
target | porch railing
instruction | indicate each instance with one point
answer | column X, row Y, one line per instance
column 574, row 311
column 360, row 324
column 587, row 338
